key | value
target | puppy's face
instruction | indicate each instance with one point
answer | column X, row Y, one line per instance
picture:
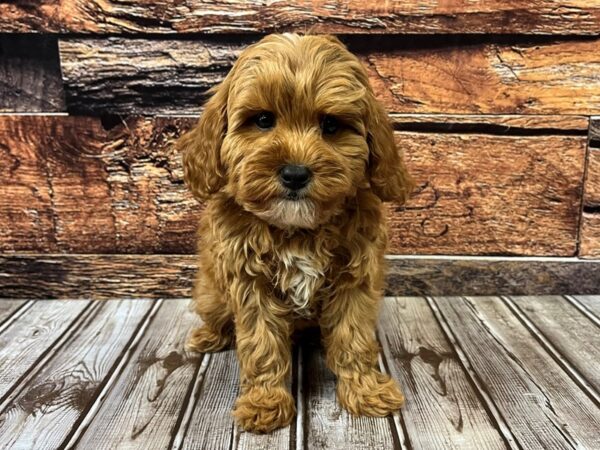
column 292, row 133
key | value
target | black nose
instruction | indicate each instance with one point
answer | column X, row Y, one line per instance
column 294, row 177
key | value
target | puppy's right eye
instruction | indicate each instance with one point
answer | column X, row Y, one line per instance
column 265, row 120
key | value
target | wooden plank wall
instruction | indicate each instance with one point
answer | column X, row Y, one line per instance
column 496, row 106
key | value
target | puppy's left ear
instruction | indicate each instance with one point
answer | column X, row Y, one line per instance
column 389, row 178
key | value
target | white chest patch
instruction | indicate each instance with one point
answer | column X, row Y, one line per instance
column 300, row 276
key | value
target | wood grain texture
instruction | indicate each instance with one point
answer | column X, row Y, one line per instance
column 589, row 246
column 143, row 408
column 218, row 16
column 168, row 276
column 591, row 303
column 211, row 423
column 485, row 194
column 442, row 410
column 521, row 77
column 43, row 413
column 72, row 185
column 541, row 404
column 9, row 307
column 30, row 78
column 28, row 339
column 575, row 338
column 327, row 424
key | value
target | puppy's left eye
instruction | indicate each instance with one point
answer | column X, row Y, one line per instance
column 329, row 125
column 265, row 120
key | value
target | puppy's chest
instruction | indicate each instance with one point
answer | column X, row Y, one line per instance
column 300, row 275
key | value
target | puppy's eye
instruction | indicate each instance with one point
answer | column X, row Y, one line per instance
column 265, row 120
column 329, row 125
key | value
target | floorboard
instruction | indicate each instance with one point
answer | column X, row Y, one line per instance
column 443, row 409
column 477, row 373
column 541, row 404
column 42, row 415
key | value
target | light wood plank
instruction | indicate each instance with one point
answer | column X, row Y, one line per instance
column 9, row 307
column 572, row 334
column 29, row 338
column 591, row 303
column 541, row 404
column 213, row 398
column 43, row 413
column 463, row 77
column 143, row 407
column 327, row 424
column 442, row 410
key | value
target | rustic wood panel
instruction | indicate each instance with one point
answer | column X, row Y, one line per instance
column 48, row 406
column 508, row 124
column 218, row 16
column 541, row 404
column 327, row 424
column 591, row 303
column 545, row 77
column 479, row 194
column 30, row 78
column 74, row 186
column 8, row 308
column 589, row 246
column 213, row 398
column 169, row 276
column 442, row 409
column 70, row 184
column 574, row 338
column 142, row 409
column 24, row 342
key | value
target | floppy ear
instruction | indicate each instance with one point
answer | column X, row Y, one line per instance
column 389, row 178
column 203, row 171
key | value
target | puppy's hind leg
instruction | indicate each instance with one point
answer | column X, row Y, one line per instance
column 216, row 333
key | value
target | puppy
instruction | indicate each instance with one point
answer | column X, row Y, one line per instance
column 293, row 157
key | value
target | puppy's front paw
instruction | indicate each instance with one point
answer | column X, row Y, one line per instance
column 205, row 340
column 262, row 410
column 372, row 394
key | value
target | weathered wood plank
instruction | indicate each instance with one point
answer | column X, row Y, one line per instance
column 589, row 246
column 30, row 78
column 218, row 16
column 479, row 194
column 73, row 186
column 492, row 123
column 167, row 76
column 573, row 336
column 591, row 303
column 43, row 276
column 143, row 407
column 213, row 398
column 442, row 409
column 327, row 424
column 8, row 307
column 24, row 342
column 44, row 411
column 541, row 404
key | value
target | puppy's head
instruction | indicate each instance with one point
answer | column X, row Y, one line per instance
column 292, row 132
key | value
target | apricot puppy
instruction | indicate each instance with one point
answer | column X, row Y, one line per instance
column 293, row 157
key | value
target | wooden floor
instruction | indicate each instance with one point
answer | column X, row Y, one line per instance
column 478, row 373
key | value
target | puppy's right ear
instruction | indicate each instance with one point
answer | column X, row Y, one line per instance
column 200, row 147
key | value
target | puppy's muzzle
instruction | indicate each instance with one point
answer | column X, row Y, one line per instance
column 294, row 177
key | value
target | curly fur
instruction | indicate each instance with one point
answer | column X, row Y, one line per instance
column 267, row 263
